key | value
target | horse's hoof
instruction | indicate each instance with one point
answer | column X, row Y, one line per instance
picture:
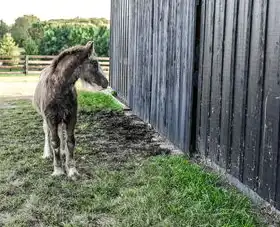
column 58, row 172
column 73, row 173
column 47, row 156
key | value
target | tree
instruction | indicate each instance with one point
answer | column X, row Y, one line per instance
column 4, row 28
column 101, row 41
column 21, row 26
column 9, row 48
column 30, row 47
column 36, row 31
column 58, row 37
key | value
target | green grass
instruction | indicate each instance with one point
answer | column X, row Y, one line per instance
column 18, row 75
column 11, row 75
column 156, row 191
column 97, row 101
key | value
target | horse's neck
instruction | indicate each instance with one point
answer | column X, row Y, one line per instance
column 76, row 74
column 68, row 77
column 68, row 66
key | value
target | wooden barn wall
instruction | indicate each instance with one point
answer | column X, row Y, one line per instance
column 119, row 28
column 152, row 48
column 239, row 91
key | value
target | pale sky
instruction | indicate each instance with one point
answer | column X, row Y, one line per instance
column 54, row 9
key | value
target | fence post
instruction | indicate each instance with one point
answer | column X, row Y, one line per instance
column 26, row 65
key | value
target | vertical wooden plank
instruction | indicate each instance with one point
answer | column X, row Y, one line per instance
column 183, row 76
column 131, row 54
column 26, row 64
column 200, row 71
column 117, row 47
column 177, row 74
column 120, row 76
column 255, row 96
column 148, row 62
column 240, row 92
column 144, row 57
column 189, row 64
column 163, row 62
column 186, row 75
column 228, row 81
column 114, row 62
column 140, row 59
column 136, row 84
column 158, row 64
column 216, row 90
column 151, row 49
column 141, row 66
column 112, row 44
column 123, row 47
column 269, row 171
column 169, row 110
column 139, row 108
column 206, row 84
column 154, row 94
column 126, row 48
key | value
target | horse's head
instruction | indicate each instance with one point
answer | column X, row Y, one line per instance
column 92, row 73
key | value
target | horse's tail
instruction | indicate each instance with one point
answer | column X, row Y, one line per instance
column 62, row 137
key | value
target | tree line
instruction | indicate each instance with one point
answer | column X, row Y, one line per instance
column 36, row 37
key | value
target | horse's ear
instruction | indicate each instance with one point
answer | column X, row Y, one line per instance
column 90, row 48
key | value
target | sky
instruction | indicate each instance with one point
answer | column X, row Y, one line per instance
column 54, row 9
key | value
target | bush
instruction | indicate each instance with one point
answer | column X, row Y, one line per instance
column 9, row 48
column 4, row 28
column 20, row 28
column 53, row 36
column 58, row 37
column 30, row 47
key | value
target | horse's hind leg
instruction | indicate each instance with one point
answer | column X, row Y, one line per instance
column 47, row 148
column 62, row 137
column 55, row 145
column 69, row 149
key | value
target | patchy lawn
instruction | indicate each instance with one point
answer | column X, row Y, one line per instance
column 101, row 102
column 126, row 179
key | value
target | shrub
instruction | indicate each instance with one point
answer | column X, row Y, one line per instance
column 30, row 47
column 58, row 37
column 20, row 28
column 4, row 28
column 9, row 48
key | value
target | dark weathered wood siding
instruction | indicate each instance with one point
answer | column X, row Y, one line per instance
column 238, row 114
column 152, row 48
column 239, row 90
column 119, row 38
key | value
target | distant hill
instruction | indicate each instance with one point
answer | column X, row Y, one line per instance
column 78, row 20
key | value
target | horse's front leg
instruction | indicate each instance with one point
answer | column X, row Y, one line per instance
column 69, row 149
column 47, row 148
column 55, row 145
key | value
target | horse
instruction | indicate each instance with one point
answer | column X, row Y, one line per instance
column 55, row 99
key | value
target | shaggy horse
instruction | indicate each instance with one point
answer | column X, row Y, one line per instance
column 55, row 99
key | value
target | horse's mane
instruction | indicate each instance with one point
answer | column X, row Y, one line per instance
column 69, row 51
